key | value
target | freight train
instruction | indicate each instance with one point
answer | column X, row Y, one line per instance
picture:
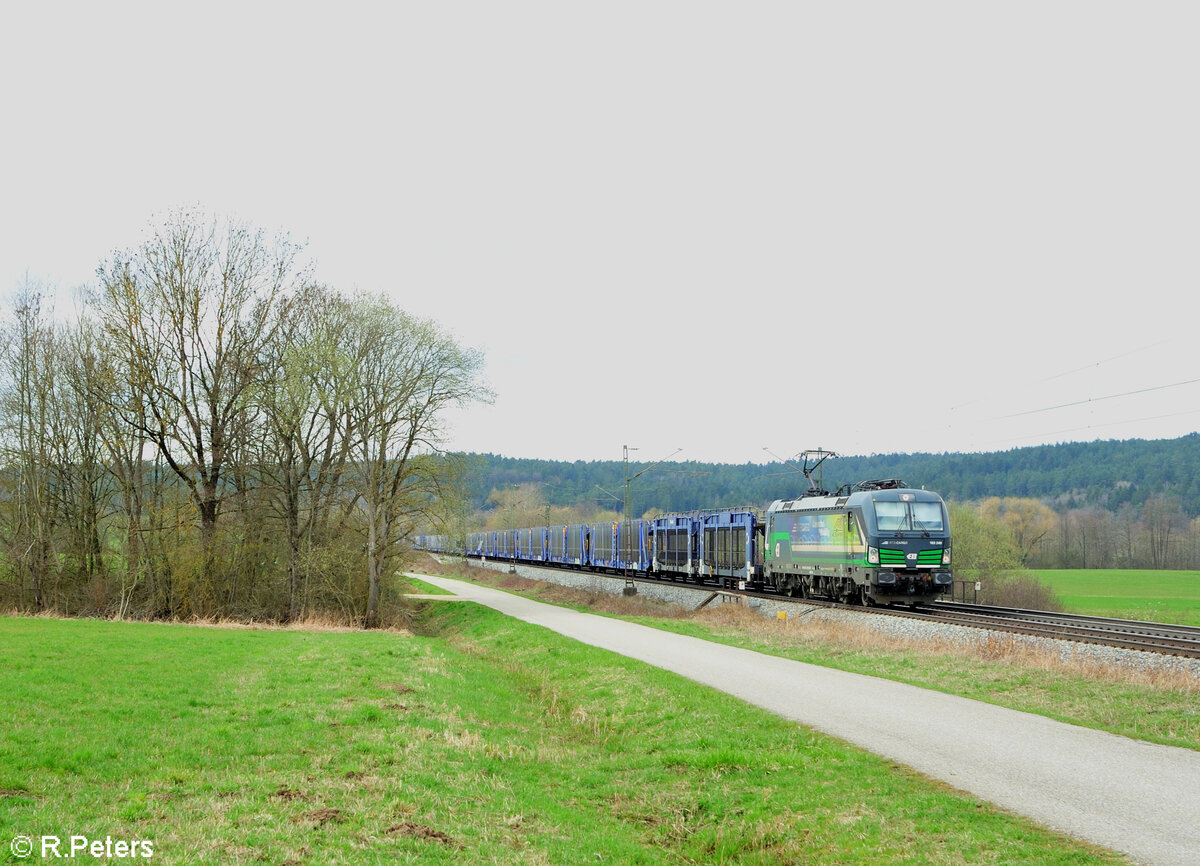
column 871, row 543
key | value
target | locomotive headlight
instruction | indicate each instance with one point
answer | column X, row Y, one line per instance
column 873, row 556
column 946, row 556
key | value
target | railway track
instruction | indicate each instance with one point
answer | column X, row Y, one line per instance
column 1153, row 637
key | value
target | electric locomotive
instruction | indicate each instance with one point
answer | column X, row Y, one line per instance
column 875, row 542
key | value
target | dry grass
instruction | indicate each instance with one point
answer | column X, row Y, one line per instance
column 1009, row 650
column 305, row 624
column 311, row 622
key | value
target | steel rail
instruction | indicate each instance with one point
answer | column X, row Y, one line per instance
column 1164, row 638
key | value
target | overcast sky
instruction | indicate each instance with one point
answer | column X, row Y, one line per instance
column 724, row 227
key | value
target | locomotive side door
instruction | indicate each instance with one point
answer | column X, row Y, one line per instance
column 854, row 550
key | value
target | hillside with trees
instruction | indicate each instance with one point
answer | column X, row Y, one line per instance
column 1108, row 475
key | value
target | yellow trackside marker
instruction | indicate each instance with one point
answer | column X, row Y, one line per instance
column 781, row 615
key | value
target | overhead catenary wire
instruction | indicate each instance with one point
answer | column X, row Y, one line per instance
column 1080, row 369
column 1099, row 399
column 1104, row 361
column 1046, row 434
column 979, row 424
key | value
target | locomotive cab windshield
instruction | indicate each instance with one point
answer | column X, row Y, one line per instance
column 907, row 515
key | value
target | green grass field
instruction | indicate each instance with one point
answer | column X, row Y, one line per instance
column 481, row 739
column 1160, row 596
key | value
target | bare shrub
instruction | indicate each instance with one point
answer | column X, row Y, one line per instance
column 1019, row 589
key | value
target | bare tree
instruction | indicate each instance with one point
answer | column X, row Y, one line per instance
column 518, row 505
column 1029, row 521
column 408, row 372
column 190, row 311
column 1093, row 534
column 1126, row 535
column 29, row 371
column 83, row 481
column 306, row 394
column 1162, row 518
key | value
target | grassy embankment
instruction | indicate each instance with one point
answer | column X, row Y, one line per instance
column 1159, row 596
column 478, row 739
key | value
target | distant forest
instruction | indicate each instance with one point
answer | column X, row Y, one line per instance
column 1107, row 475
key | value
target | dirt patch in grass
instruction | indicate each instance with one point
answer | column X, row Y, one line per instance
column 319, row 816
column 420, row 831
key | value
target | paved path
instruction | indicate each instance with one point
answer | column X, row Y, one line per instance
column 1138, row 798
